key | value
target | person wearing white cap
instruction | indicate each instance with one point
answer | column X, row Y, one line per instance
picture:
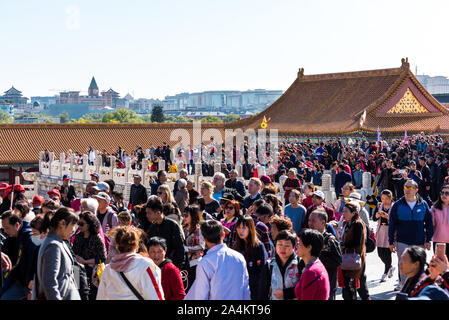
column 107, row 216
column 102, row 187
column 318, row 201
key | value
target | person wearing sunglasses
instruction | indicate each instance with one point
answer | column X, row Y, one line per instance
column 440, row 218
column 410, row 224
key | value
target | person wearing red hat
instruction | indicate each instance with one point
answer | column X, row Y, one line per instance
column 67, row 191
column 55, row 195
column 3, row 187
column 37, row 204
column 17, row 194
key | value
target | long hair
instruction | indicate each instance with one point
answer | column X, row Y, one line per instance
column 252, row 242
column 195, row 217
column 165, row 188
column 92, row 221
column 439, row 203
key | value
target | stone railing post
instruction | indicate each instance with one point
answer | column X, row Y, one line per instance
column 61, row 163
column 84, row 167
column 72, row 163
column 112, row 167
column 41, row 160
column 52, row 157
column 127, row 168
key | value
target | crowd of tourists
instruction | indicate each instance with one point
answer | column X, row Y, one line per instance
column 227, row 239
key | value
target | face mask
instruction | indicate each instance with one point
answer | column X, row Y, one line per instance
column 36, row 238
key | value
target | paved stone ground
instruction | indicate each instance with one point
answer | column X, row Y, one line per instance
column 374, row 270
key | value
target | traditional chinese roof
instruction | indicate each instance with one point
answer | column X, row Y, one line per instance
column 111, row 91
column 21, row 143
column 340, row 103
column 13, row 91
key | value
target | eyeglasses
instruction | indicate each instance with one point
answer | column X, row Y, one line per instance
column 159, row 192
column 229, row 208
column 409, row 187
column 445, row 193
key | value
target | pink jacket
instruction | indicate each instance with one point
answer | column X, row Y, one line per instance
column 314, row 283
column 440, row 219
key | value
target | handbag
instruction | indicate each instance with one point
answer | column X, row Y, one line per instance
column 351, row 261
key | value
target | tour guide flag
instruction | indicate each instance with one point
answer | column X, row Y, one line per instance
column 378, row 133
column 405, row 137
column 263, row 125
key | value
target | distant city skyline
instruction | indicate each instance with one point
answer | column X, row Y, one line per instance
column 155, row 49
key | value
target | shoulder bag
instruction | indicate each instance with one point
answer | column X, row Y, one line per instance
column 131, row 287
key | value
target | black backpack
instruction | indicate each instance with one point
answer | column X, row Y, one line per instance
column 370, row 240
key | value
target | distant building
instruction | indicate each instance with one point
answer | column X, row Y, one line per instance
column 15, row 97
column 142, row 105
column 94, row 100
column 42, row 102
column 110, row 98
column 223, row 101
column 435, row 85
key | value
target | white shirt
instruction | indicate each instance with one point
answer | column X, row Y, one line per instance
column 411, row 204
column 220, row 275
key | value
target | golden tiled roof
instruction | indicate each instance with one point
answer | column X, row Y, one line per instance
column 334, row 103
column 21, row 143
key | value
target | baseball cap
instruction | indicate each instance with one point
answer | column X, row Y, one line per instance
column 38, row 199
column 4, row 186
column 103, row 196
column 66, row 177
column 137, row 176
column 54, row 192
column 17, row 187
column 319, row 194
column 95, row 175
column 101, row 186
column 265, row 179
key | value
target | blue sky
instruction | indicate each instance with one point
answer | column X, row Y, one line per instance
column 157, row 48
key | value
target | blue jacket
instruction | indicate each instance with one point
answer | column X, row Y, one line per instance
column 340, row 179
column 316, row 177
column 23, row 270
column 412, row 227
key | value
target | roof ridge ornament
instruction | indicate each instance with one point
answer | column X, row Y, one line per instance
column 405, row 65
column 301, row 73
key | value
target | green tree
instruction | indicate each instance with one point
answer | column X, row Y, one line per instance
column 94, row 117
column 211, row 119
column 121, row 115
column 5, row 117
column 64, row 117
column 146, row 118
column 48, row 121
column 169, row 119
column 181, row 119
column 231, row 117
column 157, row 114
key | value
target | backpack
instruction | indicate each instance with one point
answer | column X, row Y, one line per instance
column 370, row 241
